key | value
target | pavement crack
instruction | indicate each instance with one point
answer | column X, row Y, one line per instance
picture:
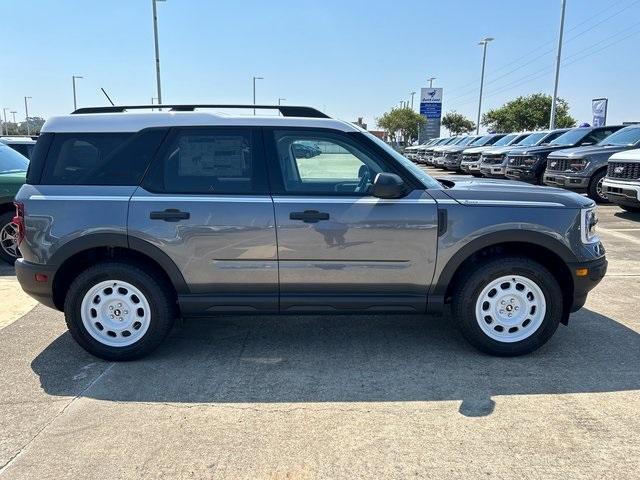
column 17, row 455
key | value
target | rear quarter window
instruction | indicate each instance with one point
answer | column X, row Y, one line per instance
column 118, row 158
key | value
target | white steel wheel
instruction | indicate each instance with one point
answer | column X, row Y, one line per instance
column 510, row 308
column 9, row 240
column 115, row 313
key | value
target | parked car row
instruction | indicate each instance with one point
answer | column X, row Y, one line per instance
column 578, row 159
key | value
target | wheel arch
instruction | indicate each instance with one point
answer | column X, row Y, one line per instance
column 540, row 247
column 77, row 254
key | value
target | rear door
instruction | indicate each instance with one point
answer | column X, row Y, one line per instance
column 340, row 248
column 205, row 203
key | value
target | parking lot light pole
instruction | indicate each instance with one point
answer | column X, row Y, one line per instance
column 280, row 103
column 73, row 81
column 26, row 111
column 157, row 48
column 412, row 95
column 552, row 120
column 484, row 42
column 254, row 91
column 430, row 80
column 13, row 112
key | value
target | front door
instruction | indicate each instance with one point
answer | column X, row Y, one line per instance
column 205, row 203
column 339, row 248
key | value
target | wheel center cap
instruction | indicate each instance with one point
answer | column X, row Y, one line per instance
column 117, row 312
column 509, row 308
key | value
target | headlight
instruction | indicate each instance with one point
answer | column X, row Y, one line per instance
column 588, row 222
column 578, row 164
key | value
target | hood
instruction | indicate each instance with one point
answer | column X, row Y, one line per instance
column 455, row 149
column 474, row 150
column 443, row 148
column 503, row 193
column 500, row 150
column 542, row 149
column 580, row 152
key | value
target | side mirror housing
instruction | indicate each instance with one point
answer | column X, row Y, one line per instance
column 388, row 185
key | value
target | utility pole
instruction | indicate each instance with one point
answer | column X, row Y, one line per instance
column 26, row 111
column 254, row 91
column 484, row 42
column 73, row 81
column 157, row 47
column 552, row 120
column 412, row 95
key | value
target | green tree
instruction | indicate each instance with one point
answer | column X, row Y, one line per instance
column 528, row 113
column 401, row 123
column 457, row 123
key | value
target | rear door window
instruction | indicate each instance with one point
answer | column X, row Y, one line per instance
column 118, row 158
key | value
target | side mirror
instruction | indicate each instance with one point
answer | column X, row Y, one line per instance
column 388, row 185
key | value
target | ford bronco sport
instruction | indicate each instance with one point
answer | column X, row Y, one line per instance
column 129, row 220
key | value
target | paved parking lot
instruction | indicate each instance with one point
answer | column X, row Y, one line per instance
column 332, row 397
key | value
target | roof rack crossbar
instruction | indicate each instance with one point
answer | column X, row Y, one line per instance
column 285, row 110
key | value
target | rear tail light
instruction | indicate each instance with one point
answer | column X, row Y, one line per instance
column 18, row 221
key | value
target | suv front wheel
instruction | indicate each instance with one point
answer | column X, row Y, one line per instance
column 596, row 191
column 508, row 306
column 117, row 311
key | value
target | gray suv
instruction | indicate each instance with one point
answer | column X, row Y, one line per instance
column 129, row 220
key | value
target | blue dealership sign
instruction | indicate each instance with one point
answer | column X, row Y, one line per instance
column 431, row 109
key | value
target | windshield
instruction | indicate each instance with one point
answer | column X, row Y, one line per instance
column 460, row 141
column 482, row 141
column 11, row 161
column 417, row 172
column 466, row 141
column 532, row 139
column 505, row 140
column 570, row 138
column 626, row 137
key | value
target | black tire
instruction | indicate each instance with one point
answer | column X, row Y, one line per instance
column 475, row 279
column 592, row 191
column 159, row 296
column 5, row 219
column 629, row 208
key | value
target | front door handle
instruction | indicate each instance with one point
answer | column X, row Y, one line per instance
column 309, row 216
column 170, row 215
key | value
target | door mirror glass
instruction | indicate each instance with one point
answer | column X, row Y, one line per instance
column 388, row 185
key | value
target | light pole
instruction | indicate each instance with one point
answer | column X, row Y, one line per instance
column 412, row 95
column 13, row 112
column 157, row 47
column 552, row 121
column 73, row 81
column 6, row 127
column 254, row 91
column 26, row 111
column 430, row 80
column 279, row 103
column 484, row 42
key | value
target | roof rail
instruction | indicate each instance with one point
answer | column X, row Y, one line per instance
column 285, row 110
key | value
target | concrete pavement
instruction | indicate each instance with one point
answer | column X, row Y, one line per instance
column 333, row 397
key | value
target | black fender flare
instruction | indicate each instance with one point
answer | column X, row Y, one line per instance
column 122, row 240
column 441, row 283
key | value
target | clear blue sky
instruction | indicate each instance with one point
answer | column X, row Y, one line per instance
column 352, row 57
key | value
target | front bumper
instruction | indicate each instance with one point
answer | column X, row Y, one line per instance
column 496, row 171
column 622, row 193
column 571, row 182
column 522, row 174
column 42, row 291
column 470, row 166
column 438, row 161
column 583, row 284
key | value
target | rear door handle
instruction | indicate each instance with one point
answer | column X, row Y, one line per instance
column 309, row 216
column 170, row 215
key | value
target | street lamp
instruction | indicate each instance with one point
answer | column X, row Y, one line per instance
column 552, row 120
column 254, row 91
column 13, row 112
column 155, row 39
column 430, row 80
column 484, row 42
column 280, row 100
column 26, row 111
column 73, row 81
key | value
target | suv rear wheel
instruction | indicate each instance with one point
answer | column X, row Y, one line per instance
column 117, row 311
column 595, row 191
column 508, row 307
column 8, row 241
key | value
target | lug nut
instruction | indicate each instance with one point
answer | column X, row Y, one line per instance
column 111, row 316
